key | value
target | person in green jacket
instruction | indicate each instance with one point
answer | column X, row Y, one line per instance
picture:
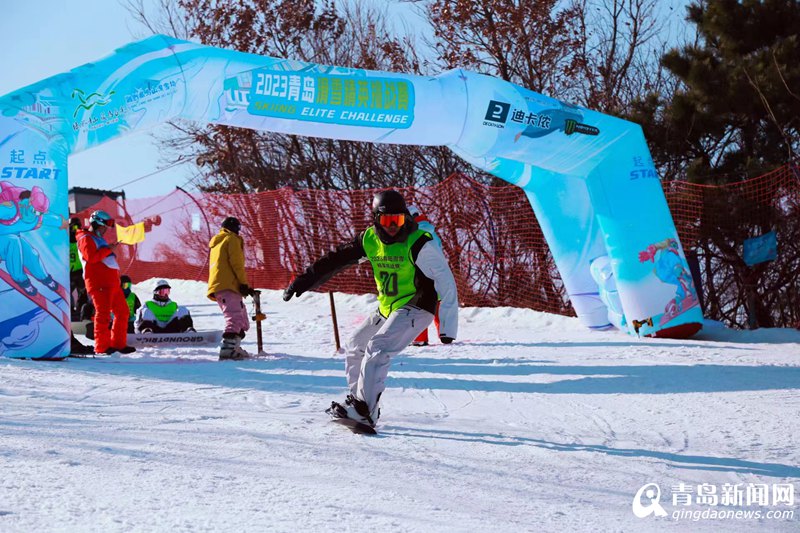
column 76, row 283
column 411, row 274
column 77, row 288
column 133, row 301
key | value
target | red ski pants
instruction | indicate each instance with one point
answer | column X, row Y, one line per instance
column 109, row 300
column 423, row 337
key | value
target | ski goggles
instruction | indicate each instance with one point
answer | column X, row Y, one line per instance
column 126, row 284
column 109, row 223
column 388, row 220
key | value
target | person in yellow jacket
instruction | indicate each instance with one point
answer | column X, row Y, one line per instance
column 227, row 285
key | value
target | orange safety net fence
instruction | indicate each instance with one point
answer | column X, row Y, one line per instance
column 490, row 236
column 495, row 247
column 714, row 221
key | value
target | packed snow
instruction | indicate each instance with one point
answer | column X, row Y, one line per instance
column 529, row 422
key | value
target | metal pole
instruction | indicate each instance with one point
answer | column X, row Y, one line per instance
column 335, row 323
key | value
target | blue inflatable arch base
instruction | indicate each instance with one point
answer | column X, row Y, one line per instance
column 589, row 177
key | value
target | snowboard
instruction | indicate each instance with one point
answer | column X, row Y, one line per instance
column 354, row 426
column 186, row 339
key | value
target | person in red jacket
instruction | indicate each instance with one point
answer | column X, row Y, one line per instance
column 101, row 274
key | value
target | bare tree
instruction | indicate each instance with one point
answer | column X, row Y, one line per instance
column 532, row 44
column 348, row 34
column 621, row 46
column 166, row 17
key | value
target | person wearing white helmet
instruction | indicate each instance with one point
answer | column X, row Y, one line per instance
column 161, row 314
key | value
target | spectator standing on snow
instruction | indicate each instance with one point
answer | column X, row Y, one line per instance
column 76, row 283
column 101, row 274
column 227, row 285
column 77, row 288
column 411, row 274
column 131, row 299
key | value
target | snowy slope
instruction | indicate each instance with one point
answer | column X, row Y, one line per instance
column 528, row 423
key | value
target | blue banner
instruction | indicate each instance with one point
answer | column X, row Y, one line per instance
column 761, row 249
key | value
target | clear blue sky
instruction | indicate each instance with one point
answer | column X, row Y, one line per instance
column 41, row 38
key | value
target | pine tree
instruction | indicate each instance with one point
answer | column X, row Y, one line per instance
column 737, row 111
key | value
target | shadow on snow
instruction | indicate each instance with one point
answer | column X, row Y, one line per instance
column 289, row 373
column 675, row 460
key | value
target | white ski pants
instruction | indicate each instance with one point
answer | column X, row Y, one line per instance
column 374, row 343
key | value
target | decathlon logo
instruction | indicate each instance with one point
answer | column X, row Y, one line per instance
column 652, row 493
column 497, row 111
column 88, row 102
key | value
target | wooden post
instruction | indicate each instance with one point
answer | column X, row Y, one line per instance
column 258, row 316
column 335, row 323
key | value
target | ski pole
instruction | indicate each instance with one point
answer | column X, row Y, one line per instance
column 335, row 323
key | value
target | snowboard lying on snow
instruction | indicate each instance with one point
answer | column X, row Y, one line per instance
column 187, row 339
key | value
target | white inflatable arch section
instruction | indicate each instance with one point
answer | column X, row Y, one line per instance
column 589, row 177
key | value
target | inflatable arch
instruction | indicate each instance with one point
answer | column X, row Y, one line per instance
column 589, row 177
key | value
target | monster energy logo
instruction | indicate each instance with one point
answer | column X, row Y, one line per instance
column 573, row 126
column 88, row 102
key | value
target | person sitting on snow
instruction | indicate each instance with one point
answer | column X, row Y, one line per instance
column 162, row 315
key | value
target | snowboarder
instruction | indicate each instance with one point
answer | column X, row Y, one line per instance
column 411, row 274
column 227, row 285
column 162, row 315
column 101, row 274
column 134, row 304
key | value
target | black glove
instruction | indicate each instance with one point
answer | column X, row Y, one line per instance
column 298, row 286
column 445, row 339
column 245, row 289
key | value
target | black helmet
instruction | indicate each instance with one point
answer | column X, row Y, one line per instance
column 232, row 224
column 125, row 279
column 389, row 202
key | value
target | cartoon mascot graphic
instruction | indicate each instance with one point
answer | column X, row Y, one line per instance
column 22, row 211
column 672, row 269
